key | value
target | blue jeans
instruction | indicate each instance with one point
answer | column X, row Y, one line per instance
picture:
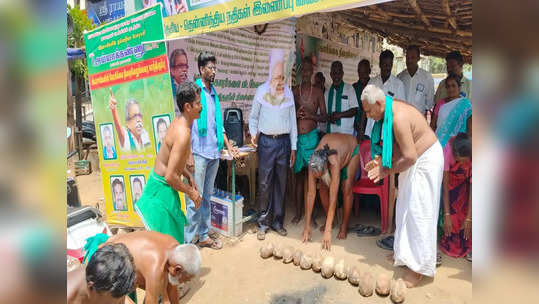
column 199, row 219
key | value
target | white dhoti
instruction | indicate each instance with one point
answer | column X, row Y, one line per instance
column 417, row 210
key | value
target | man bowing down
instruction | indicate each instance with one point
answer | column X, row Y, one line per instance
column 417, row 155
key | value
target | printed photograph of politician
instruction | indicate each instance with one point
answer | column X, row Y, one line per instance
column 137, row 183
column 107, row 141
column 160, row 125
column 170, row 7
column 117, row 186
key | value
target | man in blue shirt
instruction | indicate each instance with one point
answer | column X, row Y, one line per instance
column 207, row 140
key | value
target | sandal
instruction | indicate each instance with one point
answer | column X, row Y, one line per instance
column 438, row 259
column 368, row 231
column 386, row 243
column 356, row 228
column 211, row 243
column 468, row 257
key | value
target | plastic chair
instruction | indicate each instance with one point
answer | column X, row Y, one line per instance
column 365, row 186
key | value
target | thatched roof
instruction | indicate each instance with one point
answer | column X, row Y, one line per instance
column 437, row 26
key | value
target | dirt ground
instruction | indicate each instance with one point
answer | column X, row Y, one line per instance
column 237, row 274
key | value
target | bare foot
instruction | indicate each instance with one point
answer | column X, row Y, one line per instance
column 296, row 219
column 390, row 258
column 411, row 278
column 323, row 228
column 342, row 233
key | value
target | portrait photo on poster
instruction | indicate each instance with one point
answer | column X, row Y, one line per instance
column 137, row 183
column 117, row 187
column 107, row 141
column 169, row 7
column 160, row 125
column 132, row 137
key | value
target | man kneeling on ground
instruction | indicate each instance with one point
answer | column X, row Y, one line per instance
column 107, row 278
column 417, row 155
column 335, row 162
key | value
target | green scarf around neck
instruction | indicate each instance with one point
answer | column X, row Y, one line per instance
column 202, row 122
column 337, row 105
column 386, row 150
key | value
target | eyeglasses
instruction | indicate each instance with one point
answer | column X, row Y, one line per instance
column 180, row 67
column 135, row 116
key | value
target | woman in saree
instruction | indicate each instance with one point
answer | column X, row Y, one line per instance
column 457, row 197
column 450, row 115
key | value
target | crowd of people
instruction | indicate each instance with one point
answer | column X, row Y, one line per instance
column 316, row 133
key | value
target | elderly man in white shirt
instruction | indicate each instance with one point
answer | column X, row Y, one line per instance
column 418, row 83
column 272, row 124
column 390, row 84
column 341, row 103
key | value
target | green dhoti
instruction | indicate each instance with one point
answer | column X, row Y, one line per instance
column 159, row 207
column 305, row 148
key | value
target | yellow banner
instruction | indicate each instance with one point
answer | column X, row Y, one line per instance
column 240, row 13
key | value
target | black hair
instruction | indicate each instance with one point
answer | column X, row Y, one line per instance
column 174, row 54
column 187, row 92
column 117, row 182
column 161, row 121
column 337, row 63
column 364, row 62
column 455, row 55
column 386, row 54
column 112, row 269
column 137, row 180
column 462, row 145
column 204, row 58
column 414, row 47
column 454, row 77
column 320, row 157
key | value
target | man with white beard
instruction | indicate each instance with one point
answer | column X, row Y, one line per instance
column 272, row 124
column 334, row 162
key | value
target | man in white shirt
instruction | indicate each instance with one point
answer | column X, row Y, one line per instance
column 454, row 63
column 341, row 102
column 390, row 84
column 418, row 83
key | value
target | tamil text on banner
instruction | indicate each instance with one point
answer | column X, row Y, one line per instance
column 242, row 60
column 133, row 106
column 204, row 16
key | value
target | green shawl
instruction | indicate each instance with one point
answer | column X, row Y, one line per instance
column 386, row 150
column 202, row 122
column 337, row 105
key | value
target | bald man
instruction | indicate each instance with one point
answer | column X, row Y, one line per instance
column 161, row 263
column 410, row 148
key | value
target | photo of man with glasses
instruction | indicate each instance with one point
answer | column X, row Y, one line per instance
column 133, row 137
column 178, row 70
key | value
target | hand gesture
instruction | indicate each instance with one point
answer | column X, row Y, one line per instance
column 112, row 101
column 448, row 225
column 326, row 240
column 373, row 163
column 377, row 173
column 195, row 197
column 307, row 234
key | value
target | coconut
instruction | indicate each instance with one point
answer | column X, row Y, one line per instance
column 266, row 250
column 328, row 267
column 278, row 252
column 288, row 254
column 306, row 262
column 353, row 275
column 383, row 285
column 297, row 257
column 317, row 262
column 398, row 291
column 366, row 284
column 340, row 270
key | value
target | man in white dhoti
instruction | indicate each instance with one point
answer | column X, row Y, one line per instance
column 417, row 155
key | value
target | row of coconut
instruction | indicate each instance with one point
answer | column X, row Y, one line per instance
column 383, row 284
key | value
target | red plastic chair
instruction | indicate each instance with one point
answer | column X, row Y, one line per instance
column 365, row 186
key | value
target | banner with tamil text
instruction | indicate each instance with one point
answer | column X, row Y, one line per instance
column 131, row 94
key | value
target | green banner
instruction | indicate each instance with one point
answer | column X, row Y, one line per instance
column 132, row 99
